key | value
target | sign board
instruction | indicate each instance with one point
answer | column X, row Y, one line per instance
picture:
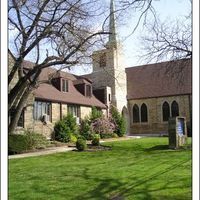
column 180, row 126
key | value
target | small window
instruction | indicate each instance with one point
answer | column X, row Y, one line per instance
column 144, row 117
column 88, row 91
column 40, row 109
column 109, row 97
column 175, row 109
column 136, row 113
column 165, row 111
column 74, row 110
column 64, row 85
column 102, row 61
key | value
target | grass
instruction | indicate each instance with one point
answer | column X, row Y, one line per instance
column 134, row 169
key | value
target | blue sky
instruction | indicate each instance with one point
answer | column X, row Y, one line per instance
column 169, row 10
column 166, row 10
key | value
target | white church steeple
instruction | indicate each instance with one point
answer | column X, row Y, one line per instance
column 112, row 42
column 108, row 68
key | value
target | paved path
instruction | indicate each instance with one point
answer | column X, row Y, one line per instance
column 43, row 152
column 64, row 148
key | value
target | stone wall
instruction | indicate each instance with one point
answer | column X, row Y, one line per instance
column 55, row 112
column 85, row 111
column 64, row 109
column 47, row 128
column 155, row 122
column 112, row 75
column 28, row 113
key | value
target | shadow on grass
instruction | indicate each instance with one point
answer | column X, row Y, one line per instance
column 115, row 189
column 158, row 147
column 166, row 148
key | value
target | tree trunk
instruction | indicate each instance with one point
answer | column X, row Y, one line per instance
column 18, row 111
column 22, row 101
column 17, row 91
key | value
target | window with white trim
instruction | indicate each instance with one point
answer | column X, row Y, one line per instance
column 64, row 85
column 40, row 109
column 74, row 110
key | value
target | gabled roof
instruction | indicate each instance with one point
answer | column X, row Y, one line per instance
column 73, row 96
column 50, row 93
column 159, row 79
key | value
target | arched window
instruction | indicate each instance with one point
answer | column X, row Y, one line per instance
column 174, row 109
column 144, row 117
column 136, row 113
column 165, row 111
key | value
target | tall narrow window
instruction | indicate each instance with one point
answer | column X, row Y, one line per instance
column 74, row 110
column 64, row 85
column 136, row 113
column 175, row 109
column 144, row 117
column 102, row 60
column 165, row 111
column 88, row 91
column 109, row 97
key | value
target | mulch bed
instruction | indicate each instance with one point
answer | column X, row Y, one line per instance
column 98, row 148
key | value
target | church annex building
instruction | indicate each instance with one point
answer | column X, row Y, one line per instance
column 146, row 95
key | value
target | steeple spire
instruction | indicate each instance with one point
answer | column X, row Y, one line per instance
column 112, row 42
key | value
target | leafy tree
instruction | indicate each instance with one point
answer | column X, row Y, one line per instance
column 86, row 129
column 95, row 114
column 119, row 121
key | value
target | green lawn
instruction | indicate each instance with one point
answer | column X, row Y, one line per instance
column 133, row 169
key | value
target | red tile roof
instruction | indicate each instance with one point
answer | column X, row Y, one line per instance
column 159, row 79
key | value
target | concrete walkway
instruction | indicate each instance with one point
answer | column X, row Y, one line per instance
column 43, row 152
column 64, row 148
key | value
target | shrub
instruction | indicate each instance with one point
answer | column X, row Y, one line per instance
column 114, row 135
column 81, row 144
column 70, row 122
column 95, row 140
column 103, row 126
column 108, row 135
column 73, row 138
column 119, row 121
column 86, row 129
column 62, row 132
column 36, row 140
column 95, row 114
column 18, row 143
column 64, row 128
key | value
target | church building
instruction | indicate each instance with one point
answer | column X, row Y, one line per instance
column 146, row 95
